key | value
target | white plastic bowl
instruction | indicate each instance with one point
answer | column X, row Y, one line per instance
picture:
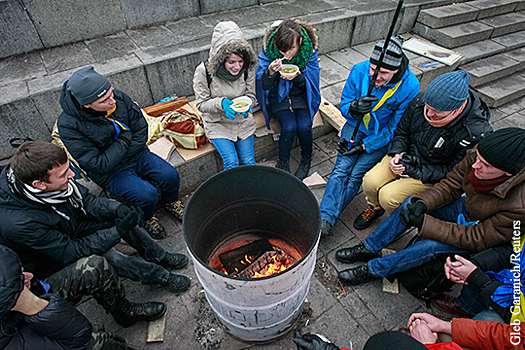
column 241, row 104
column 289, row 70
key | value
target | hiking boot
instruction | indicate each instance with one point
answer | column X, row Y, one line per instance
column 365, row 219
column 283, row 165
column 176, row 209
column 304, row 167
column 130, row 313
column 450, row 305
column 357, row 253
column 326, row 228
column 172, row 261
column 176, row 283
column 356, row 275
column 154, row 228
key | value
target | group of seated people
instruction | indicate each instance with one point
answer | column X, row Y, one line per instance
column 430, row 159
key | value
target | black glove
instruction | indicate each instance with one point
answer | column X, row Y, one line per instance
column 312, row 342
column 132, row 219
column 412, row 171
column 121, row 211
column 113, row 342
column 413, row 214
column 125, row 135
column 362, row 106
column 342, row 147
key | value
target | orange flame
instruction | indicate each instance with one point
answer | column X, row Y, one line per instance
column 274, row 267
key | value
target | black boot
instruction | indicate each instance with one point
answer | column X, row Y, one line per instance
column 283, row 165
column 357, row 253
column 304, row 167
column 128, row 313
column 357, row 275
column 172, row 261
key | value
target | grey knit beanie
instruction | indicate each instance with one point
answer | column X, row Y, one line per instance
column 393, row 54
column 87, row 86
column 448, row 91
column 504, row 149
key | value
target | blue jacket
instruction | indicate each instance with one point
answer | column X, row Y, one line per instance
column 311, row 74
column 383, row 122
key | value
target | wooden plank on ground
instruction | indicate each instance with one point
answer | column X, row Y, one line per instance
column 390, row 287
column 331, row 114
column 156, row 330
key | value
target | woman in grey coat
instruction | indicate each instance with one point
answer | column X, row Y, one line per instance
column 228, row 73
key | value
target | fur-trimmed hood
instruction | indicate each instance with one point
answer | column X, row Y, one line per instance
column 309, row 30
column 227, row 38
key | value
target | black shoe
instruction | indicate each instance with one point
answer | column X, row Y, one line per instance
column 176, row 209
column 355, row 253
column 450, row 305
column 173, row 261
column 365, row 219
column 283, row 165
column 304, row 167
column 357, row 275
column 130, row 313
column 176, row 283
column 326, row 228
column 154, row 228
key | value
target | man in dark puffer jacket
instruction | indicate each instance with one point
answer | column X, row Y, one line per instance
column 106, row 133
column 434, row 134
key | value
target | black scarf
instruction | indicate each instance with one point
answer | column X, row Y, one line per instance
column 71, row 194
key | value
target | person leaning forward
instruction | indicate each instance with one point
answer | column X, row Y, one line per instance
column 492, row 179
column 434, row 134
column 394, row 88
column 106, row 133
column 50, row 221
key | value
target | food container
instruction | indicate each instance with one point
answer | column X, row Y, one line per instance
column 289, row 70
column 241, row 104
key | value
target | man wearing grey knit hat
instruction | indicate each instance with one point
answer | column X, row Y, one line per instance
column 434, row 134
column 394, row 88
column 106, row 133
column 478, row 205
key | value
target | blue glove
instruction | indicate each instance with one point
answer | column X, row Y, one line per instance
column 463, row 222
column 226, row 103
column 245, row 114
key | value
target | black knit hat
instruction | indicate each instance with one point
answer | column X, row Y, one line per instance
column 87, row 86
column 11, row 280
column 393, row 54
column 504, row 149
column 392, row 340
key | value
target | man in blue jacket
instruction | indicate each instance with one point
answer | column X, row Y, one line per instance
column 394, row 88
column 106, row 133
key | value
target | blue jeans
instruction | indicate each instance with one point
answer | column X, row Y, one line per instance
column 347, row 176
column 144, row 269
column 132, row 184
column 416, row 254
column 295, row 122
column 231, row 152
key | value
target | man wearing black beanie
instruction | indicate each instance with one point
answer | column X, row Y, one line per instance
column 474, row 208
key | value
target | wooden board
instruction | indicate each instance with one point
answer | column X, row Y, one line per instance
column 331, row 114
column 156, row 330
column 390, row 287
column 164, row 107
column 432, row 51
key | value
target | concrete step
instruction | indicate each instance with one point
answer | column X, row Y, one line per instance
column 492, row 68
column 505, row 24
column 445, row 16
column 455, row 36
column 490, row 8
column 503, row 90
column 511, row 41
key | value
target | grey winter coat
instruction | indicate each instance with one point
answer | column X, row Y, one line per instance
column 227, row 38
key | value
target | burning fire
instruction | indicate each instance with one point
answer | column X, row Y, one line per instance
column 274, row 267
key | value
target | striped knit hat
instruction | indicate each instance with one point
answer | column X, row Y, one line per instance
column 393, row 54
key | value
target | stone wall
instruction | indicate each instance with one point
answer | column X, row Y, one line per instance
column 27, row 25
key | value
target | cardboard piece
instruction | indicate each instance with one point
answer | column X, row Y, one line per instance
column 156, row 329
column 432, row 51
column 314, row 181
column 331, row 114
column 163, row 147
column 387, row 286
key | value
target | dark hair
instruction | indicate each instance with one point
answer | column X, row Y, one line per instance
column 288, row 34
column 34, row 159
column 245, row 55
